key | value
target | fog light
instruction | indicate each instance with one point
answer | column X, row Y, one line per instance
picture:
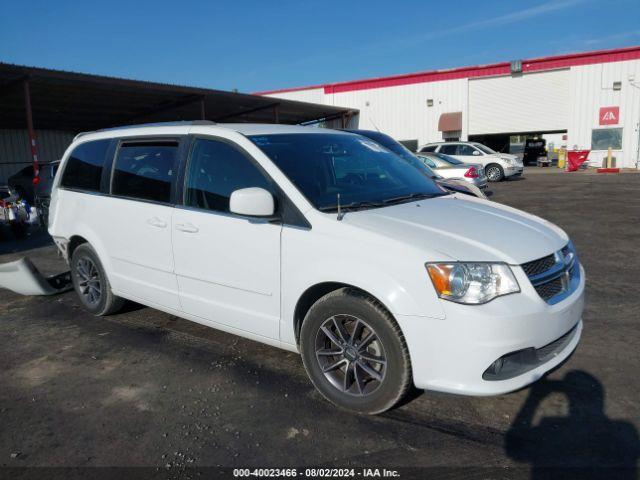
column 497, row 365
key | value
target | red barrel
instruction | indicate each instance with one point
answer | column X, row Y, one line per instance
column 575, row 158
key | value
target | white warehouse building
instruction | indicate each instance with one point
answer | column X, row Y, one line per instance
column 583, row 101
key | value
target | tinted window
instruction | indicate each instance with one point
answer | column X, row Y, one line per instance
column 465, row 150
column 323, row 165
column 83, row 169
column 145, row 170
column 431, row 148
column 216, row 169
column 26, row 172
column 449, row 149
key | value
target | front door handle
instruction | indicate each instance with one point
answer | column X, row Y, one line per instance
column 157, row 222
column 187, row 227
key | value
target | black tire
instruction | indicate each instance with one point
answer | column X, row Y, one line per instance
column 88, row 275
column 494, row 172
column 366, row 394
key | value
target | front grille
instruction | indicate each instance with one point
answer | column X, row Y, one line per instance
column 555, row 276
column 550, row 289
column 539, row 266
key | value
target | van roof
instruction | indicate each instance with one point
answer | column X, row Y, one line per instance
column 182, row 128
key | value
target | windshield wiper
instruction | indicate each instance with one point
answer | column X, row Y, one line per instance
column 353, row 206
column 410, row 197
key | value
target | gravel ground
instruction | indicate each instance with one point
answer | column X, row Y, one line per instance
column 146, row 389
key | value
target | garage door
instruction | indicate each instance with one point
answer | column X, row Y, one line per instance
column 534, row 102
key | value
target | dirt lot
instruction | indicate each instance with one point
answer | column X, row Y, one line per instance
column 143, row 388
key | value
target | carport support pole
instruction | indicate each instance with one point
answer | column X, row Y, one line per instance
column 32, row 132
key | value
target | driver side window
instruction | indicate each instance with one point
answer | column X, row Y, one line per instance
column 215, row 170
column 465, row 150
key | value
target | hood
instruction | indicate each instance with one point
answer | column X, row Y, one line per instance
column 457, row 227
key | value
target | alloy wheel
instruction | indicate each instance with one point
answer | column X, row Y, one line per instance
column 350, row 355
column 493, row 173
column 89, row 284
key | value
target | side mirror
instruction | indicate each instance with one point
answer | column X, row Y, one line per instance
column 476, row 152
column 253, row 201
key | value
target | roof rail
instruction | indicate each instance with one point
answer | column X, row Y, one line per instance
column 155, row 124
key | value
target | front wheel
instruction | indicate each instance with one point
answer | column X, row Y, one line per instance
column 354, row 352
column 494, row 172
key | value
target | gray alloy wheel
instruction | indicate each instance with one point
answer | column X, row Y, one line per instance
column 354, row 352
column 351, row 355
column 494, row 172
column 89, row 284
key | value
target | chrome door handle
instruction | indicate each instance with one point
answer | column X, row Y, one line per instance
column 157, row 222
column 187, row 227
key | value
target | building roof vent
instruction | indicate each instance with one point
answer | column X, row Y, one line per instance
column 516, row 67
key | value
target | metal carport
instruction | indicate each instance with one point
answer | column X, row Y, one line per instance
column 36, row 99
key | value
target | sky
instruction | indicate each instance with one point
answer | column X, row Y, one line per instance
column 261, row 45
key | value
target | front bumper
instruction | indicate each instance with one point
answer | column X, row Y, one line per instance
column 514, row 170
column 452, row 355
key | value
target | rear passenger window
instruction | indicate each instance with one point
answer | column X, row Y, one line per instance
column 215, row 170
column 145, row 170
column 83, row 169
column 449, row 149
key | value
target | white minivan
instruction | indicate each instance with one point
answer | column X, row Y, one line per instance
column 320, row 242
column 497, row 166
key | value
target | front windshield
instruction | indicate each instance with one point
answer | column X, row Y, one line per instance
column 484, row 148
column 396, row 147
column 362, row 172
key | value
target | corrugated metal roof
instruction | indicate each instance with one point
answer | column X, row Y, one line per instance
column 63, row 100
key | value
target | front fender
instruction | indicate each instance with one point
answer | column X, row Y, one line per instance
column 412, row 295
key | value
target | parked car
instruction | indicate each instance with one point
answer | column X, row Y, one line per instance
column 449, row 167
column 452, row 184
column 30, row 188
column 497, row 166
column 324, row 243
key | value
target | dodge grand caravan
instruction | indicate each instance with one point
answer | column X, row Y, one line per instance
column 324, row 243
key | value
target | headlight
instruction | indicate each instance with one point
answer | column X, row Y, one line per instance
column 472, row 283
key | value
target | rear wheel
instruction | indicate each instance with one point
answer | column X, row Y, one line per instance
column 354, row 352
column 494, row 172
column 91, row 283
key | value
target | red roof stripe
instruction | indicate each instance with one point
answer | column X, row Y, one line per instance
column 502, row 68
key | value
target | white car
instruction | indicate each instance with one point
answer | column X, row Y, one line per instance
column 324, row 243
column 497, row 166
